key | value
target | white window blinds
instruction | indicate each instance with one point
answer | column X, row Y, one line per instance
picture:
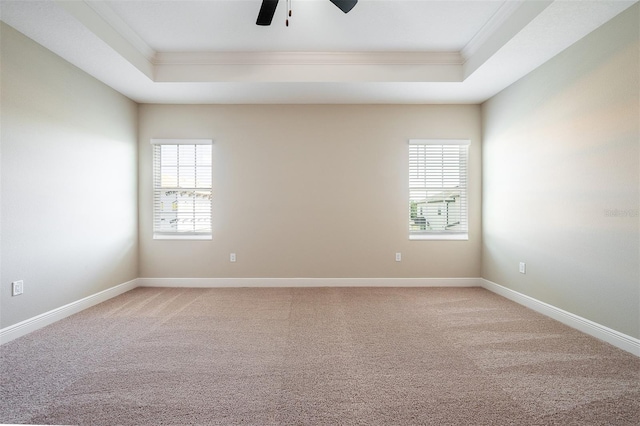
column 182, row 193
column 437, row 187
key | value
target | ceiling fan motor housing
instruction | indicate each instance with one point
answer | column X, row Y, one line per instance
column 268, row 9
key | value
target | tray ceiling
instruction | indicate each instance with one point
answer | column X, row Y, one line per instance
column 383, row 51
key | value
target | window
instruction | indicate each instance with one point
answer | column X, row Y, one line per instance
column 182, row 188
column 438, row 189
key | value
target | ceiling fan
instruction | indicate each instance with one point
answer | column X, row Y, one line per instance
column 268, row 8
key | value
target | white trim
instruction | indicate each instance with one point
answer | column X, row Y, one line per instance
column 308, row 58
column 182, row 236
column 464, row 142
column 308, row 282
column 512, row 18
column 437, row 236
column 301, row 73
column 39, row 321
column 617, row 339
column 498, row 19
column 181, row 141
column 122, row 28
column 105, row 24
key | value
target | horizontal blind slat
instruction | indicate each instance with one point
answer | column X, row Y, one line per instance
column 182, row 188
column 437, row 186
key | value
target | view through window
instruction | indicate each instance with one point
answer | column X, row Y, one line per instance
column 437, row 188
column 182, row 188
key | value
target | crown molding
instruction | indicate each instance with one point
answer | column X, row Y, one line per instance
column 504, row 12
column 122, row 28
column 99, row 19
column 308, row 58
column 510, row 20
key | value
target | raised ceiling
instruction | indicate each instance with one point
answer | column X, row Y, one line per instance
column 383, row 51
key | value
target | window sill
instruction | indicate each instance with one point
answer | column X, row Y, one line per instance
column 182, row 237
column 439, row 237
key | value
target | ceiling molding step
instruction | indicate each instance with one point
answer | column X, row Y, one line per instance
column 121, row 27
column 505, row 27
column 91, row 15
column 307, row 73
column 503, row 13
column 308, row 58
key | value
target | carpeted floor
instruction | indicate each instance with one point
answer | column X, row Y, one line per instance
column 401, row 356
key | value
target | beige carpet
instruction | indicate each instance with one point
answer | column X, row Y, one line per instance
column 401, row 356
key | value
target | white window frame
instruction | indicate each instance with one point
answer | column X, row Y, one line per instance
column 163, row 234
column 418, row 170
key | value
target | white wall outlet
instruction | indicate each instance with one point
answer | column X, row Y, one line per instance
column 17, row 288
column 232, row 257
column 398, row 257
column 523, row 268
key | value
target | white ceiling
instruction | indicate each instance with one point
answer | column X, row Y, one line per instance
column 176, row 26
column 383, row 51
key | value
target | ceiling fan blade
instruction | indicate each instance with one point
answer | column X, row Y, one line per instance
column 345, row 5
column 267, row 9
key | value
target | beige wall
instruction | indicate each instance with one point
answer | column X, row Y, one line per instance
column 321, row 190
column 68, row 175
column 309, row 191
column 561, row 171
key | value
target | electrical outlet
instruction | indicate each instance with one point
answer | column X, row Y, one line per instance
column 232, row 257
column 398, row 257
column 17, row 288
column 523, row 268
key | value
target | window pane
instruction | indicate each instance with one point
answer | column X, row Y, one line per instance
column 178, row 206
column 187, row 177
column 436, row 210
column 203, row 177
column 437, row 187
column 187, row 155
column 169, row 155
column 203, row 155
column 184, row 211
column 169, row 177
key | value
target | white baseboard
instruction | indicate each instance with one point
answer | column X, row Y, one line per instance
column 27, row 326
column 617, row 339
column 308, row 282
column 620, row 340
